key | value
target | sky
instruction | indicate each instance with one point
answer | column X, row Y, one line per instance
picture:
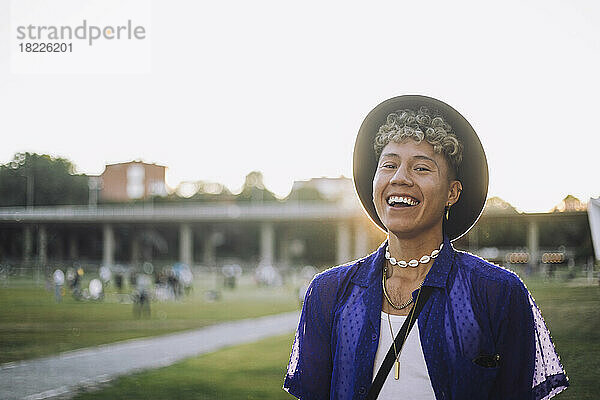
column 282, row 88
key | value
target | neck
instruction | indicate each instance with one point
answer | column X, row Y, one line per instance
column 409, row 247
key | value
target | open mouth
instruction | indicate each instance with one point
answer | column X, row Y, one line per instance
column 402, row 201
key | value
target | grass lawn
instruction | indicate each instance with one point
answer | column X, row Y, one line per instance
column 250, row 371
column 255, row 371
column 32, row 324
column 573, row 316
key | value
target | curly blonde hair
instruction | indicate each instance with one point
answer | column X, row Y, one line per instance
column 418, row 126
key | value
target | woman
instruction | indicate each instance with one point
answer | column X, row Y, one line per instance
column 421, row 174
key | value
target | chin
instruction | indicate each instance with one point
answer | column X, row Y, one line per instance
column 403, row 232
column 412, row 230
column 403, row 223
column 403, row 229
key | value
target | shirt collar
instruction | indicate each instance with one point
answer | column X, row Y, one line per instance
column 370, row 268
column 438, row 274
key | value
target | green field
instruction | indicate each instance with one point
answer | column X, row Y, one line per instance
column 32, row 324
column 573, row 315
column 250, row 371
column 255, row 371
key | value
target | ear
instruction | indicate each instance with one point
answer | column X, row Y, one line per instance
column 454, row 191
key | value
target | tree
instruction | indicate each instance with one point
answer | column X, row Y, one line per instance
column 305, row 194
column 40, row 180
column 211, row 191
column 254, row 189
column 203, row 191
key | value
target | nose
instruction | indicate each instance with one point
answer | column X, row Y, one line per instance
column 402, row 177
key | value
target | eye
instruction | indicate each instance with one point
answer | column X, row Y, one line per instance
column 388, row 165
column 422, row 168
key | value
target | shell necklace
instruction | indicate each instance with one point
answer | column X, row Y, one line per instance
column 414, row 262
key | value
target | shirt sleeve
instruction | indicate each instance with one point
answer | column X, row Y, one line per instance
column 309, row 370
column 529, row 365
column 549, row 377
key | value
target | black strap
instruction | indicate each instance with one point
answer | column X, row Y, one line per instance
column 387, row 363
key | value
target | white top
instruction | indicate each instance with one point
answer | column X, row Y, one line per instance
column 414, row 380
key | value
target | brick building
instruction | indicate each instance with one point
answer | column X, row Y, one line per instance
column 132, row 180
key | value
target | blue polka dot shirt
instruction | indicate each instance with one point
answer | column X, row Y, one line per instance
column 482, row 335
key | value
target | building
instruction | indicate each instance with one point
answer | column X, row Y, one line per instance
column 132, row 180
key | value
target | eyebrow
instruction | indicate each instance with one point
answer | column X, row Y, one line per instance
column 418, row 157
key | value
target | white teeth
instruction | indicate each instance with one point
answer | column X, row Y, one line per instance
column 401, row 199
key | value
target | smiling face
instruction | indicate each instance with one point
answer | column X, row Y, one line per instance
column 411, row 187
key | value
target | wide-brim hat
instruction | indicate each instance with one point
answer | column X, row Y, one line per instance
column 472, row 172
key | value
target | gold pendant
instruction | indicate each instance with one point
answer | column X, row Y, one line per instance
column 397, row 370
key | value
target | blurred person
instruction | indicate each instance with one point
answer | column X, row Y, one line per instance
column 70, row 277
column 76, row 283
column 231, row 272
column 417, row 319
column 119, row 282
column 133, row 278
column 141, row 296
column 59, row 280
column 174, row 285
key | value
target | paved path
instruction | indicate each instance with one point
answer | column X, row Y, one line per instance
column 57, row 375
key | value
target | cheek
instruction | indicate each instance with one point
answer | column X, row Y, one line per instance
column 377, row 184
column 435, row 190
column 440, row 196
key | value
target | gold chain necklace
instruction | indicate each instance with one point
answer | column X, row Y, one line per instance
column 387, row 297
column 396, row 352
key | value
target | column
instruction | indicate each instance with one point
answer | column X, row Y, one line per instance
column 27, row 244
column 361, row 241
column 43, row 245
column 267, row 243
column 533, row 243
column 343, row 253
column 186, row 255
column 108, row 246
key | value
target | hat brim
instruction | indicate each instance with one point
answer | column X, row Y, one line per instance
column 472, row 173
